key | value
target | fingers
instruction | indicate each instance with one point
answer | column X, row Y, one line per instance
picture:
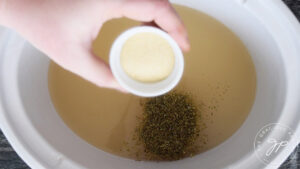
column 85, row 64
column 162, row 13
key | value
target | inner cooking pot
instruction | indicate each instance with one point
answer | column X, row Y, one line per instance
column 267, row 29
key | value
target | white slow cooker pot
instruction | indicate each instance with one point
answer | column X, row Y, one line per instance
column 267, row 28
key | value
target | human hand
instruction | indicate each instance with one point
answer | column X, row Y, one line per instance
column 65, row 30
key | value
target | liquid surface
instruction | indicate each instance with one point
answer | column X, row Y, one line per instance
column 219, row 74
column 147, row 57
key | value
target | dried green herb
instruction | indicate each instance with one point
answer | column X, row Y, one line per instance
column 169, row 126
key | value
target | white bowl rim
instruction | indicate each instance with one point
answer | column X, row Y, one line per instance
column 35, row 162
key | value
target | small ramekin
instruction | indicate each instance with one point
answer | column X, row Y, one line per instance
column 139, row 88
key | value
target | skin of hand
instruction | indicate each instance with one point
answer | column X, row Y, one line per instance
column 65, row 29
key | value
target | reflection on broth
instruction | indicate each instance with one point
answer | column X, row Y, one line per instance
column 219, row 75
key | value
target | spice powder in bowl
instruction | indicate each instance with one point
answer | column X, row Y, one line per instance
column 147, row 57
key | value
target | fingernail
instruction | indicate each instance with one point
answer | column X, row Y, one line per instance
column 187, row 45
column 187, row 40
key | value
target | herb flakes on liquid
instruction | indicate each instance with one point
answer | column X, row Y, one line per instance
column 169, row 126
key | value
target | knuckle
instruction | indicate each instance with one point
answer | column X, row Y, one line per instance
column 163, row 3
column 180, row 28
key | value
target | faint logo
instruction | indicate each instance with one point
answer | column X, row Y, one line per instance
column 270, row 141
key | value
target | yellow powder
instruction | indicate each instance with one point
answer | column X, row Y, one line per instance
column 147, row 57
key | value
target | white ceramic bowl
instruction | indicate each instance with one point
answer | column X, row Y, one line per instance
column 139, row 88
column 267, row 28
